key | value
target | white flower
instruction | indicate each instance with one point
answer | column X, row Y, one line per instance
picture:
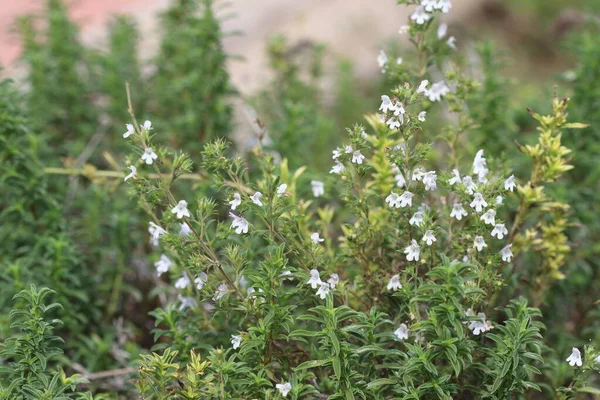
column 430, row 180
column 363, row 134
column 237, row 200
column 281, row 189
column 149, row 156
column 324, row 289
column 418, row 174
column 181, row 209
column 333, row 280
column 400, row 181
column 412, row 251
column 184, row 229
column 458, row 211
column 201, row 280
column 130, row 131
column 187, row 302
column 429, row 238
column 286, row 273
column 402, row 332
column 255, row 198
column 236, row 340
column 510, row 184
column 337, row 152
column 469, row 184
column 386, row 104
column 597, row 359
column 147, row 125
column 155, row 233
column 393, row 200
column 394, row 283
column 437, row 91
column 349, row 149
column 393, row 123
column 421, row 116
column 479, row 243
column 382, row 60
column 416, row 219
column 480, row 326
column 423, row 86
column 399, row 60
column 442, row 30
column 429, row 5
column 489, row 217
column 338, row 168
column 451, row 42
column 575, row 358
column 499, row 231
column 506, row 253
column 132, row 174
column 420, row 16
column 318, row 188
column 357, row 157
column 479, row 163
column 315, row 238
column 444, row 5
column 183, row 282
column 455, row 178
column 399, row 111
column 478, row 202
column 315, row 279
column 284, row 388
column 499, row 200
column 239, row 223
column 163, row 265
column 406, row 199
column 222, row 290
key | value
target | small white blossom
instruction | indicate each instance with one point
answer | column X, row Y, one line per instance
column 479, row 163
column 357, row 157
column 412, row 251
column 442, row 30
column 132, row 174
column 393, row 200
column 149, row 156
column 506, row 253
column 430, row 180
column 184, row 229
column 416, row 219
column 181, row 209
column 130, row 131
column 186, row 302
column 406, row 199
column 399, row 110
column 478, row 202
column 201, row 280
column 489, row 217
column 163, row 265
column 337, row 152
column 239, row 224
column 333, row 280
column 480, row 326
column 394, row 283
column 458, row 211
column 402, row 332
column 444, row 5
column 349, row 149
column 400, row 181
column 255, row 198
column 499, row 200
column 451, row 42
column 469, row 184
column 420, row 16
column 429, row 5
column 281, row 189
column 286, row 273
column 455, row 178
column 183, row 282
column 236, row 340
column 421, row 116
column 237, row 200
column 418, row 174
column 318, row 188
column 284, row 388
column 509, row 184
column 382, row 60
column 393, row 123
column 399, row 60
column 429, row 238
column 479, row 243
column 324, row 290
column 597, row 359
column 386, row 104
column 499, row 231
column 437, row 91
column 155, row 233
column 575, row 358
column 423, row 86
column 147, row 125
column 338, row 168
column 316, row 238
column 315, row 279
column 221, row 292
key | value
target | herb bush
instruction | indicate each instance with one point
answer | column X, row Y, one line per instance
column 424, row 265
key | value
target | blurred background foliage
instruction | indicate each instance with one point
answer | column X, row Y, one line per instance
column 81, row 235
